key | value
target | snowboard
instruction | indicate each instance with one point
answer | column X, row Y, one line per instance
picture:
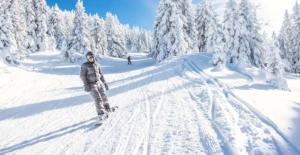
column 99, row 123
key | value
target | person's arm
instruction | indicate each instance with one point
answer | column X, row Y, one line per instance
column 83, row 74
column 103, row 79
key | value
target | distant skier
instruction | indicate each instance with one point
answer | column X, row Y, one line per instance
column 129, row 60
column 93, row 80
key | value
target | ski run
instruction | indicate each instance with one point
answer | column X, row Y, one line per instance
column 180, row 106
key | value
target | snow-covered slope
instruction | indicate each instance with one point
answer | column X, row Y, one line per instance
column 177, row 107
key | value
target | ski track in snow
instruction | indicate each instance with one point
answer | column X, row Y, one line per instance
column 171, row 108
column 253, row 120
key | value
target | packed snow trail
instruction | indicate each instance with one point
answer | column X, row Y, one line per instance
column 171, row 108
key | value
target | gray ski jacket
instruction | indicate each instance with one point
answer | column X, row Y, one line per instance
column 91, row 73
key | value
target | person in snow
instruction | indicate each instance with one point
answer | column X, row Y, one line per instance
column 129, row 60
column 94, row 82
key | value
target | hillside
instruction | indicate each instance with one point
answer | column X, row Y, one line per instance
column 178, row 107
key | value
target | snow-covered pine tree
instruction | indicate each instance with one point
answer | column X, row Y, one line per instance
column 137, row 40
column 149, row 41
column 68, row 26
column 90, row 22
column 250, row 45
column 275, row 65
column 188, row 14
column 78, row 41
column 284, row 41
column 243, row 34
column 205, row 23
column 230, row 27
column 145, row 41
column 68, row 18
column 19, row 28
column 98, row 35
column 169, row 35
column 30, row 25
column 41, row 18
column 257, row 42
column 115, row 36
column 7, row 40
column 55, row 27
column 50, row 31
column 131, row 36
column 218, row 48
column 295, row 44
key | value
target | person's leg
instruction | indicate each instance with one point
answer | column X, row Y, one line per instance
column 104, row 98
column 98, row 100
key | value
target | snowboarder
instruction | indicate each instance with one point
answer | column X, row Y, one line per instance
column 129, row 60
column 94, row 82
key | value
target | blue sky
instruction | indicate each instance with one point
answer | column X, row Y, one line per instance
column 133, row 12
column 142, row 12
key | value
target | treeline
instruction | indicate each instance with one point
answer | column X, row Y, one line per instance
column 236, row 39
column 28, row 26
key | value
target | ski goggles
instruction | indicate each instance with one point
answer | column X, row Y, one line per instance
column 90, row 57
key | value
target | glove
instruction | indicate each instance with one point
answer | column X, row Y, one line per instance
column 107, row 107
column 87, row 88
column 106, row 86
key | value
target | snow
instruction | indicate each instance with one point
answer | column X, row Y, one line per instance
column 280, row 107
column 181, row 106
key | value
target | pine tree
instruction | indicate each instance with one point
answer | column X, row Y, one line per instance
column 218, row 44
column 130, row 38
column 275, row 65
column 19, row 27
column 78, row 44
column 295, row 44
column 68, row 26
column 145, row 41
column 284, row 41
column 98, row 35
column 205, row 25
column 55, row 27
column 136, row 40
column 7, row 40
column 40, row 9
column 188, row 14
column 250, row 45
column 169, row 35
column 257, row 42
column 30, row 25
column 67, row 29
column 230, row 28
column 115, row 36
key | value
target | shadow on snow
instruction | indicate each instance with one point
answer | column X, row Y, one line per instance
column 36, row 108
column 87, row 124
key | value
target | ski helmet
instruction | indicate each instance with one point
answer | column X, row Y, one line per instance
column 89, row 54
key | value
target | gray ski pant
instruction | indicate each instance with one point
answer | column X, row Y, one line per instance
column 100, row 98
